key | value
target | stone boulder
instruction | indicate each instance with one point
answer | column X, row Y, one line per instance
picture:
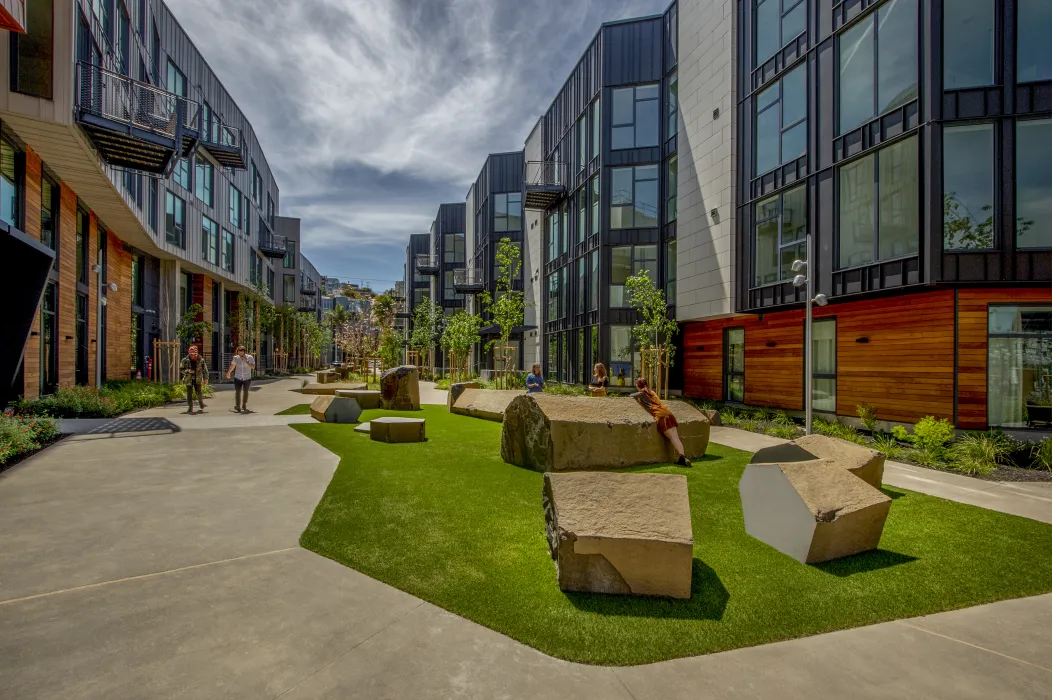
column 814, row 511
column 558, row 433
column 329, row 389
column 712, row 415
column 400, row 389
column 488, row 404
column 455, row 390
column 335, row 409
column 397, row 429
column 620, row 533
column 861, row 461
column 363, row 428
column 366, row 399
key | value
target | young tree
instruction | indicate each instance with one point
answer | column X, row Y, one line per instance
column 461, row 332
column 389, row 345
column 426, row 321
column 656, row 330
column 336, row 318
column 508, row 307
column 189, row 329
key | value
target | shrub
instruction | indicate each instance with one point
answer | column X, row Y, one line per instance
column 977, row 453
column 824, row 427
column 763, row 415
column 933, row 433
column 901, row 434
column 784, row 419
column 1043, row 455
column 786, row 432
column 849, row 433
column 749, row 424
column 23, row 434
column 564, row 389
column 868, row 415
column 887, row 445
column 928, row 457
column 115, row 397
column 708, row 405
column 729, row 418
column 442, row 383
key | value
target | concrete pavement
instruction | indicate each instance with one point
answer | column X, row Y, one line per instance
column 167, row 566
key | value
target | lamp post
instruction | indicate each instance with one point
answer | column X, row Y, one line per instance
column 805, row 277
column 99, row 342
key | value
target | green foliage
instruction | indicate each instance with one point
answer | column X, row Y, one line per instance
column 934, row 457
column 189, row 329
column 508, row 308
column 749, row 423
column 1042, row 458
column 933, row 433
column 390, row 350
column 20, row 435
column 565, row 389
column 461, row 332
column 782, row 418
column 977, row 453
column 868, row 415
column 887, row 445
column 786, row 432
column 901, row 434
column 426, row 320
column 115, row 397
column 836, row 429
column 656, row 328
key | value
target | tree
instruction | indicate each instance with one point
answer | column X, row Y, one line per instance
column 426, row 321
column 656, row 330
column 461, row 332
column 508, row 307
column 189, row 329
column 337, row 317
column 389, row 346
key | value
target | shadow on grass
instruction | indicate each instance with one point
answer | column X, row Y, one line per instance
column 892, row 493
column 708, row 600
column 865, row 562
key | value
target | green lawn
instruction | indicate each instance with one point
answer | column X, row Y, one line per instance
column 300, row 409
column 450, row 522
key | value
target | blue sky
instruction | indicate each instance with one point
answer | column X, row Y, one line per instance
column 373, row 112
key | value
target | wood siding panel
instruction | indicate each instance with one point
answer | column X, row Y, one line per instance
column 31, row 355
column 972, row 324
column 774, row 375
column 118, row 310
column 67, row 288
column 703, row 358
column 93, row 295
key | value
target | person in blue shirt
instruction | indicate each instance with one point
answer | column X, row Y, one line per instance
column 534, row 381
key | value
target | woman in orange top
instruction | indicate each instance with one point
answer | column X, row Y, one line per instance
column 666, row 422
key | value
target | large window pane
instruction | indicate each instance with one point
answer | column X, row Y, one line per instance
column 9, row 186
column 646, row 196
column 768, row 16
column 33, row 52
column 1034, row 184
column 823, row 368
column 672, row 187
column 734, row 365
column 1034, row 59
column 620, row 271
column 595, row 204
column 647, row 120
column 621, row 354
column 636, row 117
column 766, row 255
column 595, row 128
column 1019, row 369
column 897, row 55
column 856, row 75
column 794, row 22
column 899, row 205
column 593, row 294
column 767, row 136
column 857, row 212
column 794, row 143
column 794, row 96
column 623, row 106
column 672, row 106
column 670, row 272
column 968, row 186
column 968, row 43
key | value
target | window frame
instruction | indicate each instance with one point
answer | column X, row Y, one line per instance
column 782, row 41
column 178, row 229
column 632, row 206
column 995, row 190
column 204, row 181
column 782, row 244
column 996, row 20
column 779, row 104
column 506, row 216
column 728, row 372
column 1047, row 121
column 638, row 263
column 1022, row 335
column 824, row 375
column 286, row 298
column 289, row 261
column 209, row 240
column 635, row 115
column 232, row 210
column 228, row 251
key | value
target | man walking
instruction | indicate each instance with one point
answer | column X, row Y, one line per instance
column 195, row 377
column 241, row 367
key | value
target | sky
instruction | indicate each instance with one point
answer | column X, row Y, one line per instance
column 373, row 112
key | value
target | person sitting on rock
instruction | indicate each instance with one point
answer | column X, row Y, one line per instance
column 666, row 422
column 600, row 381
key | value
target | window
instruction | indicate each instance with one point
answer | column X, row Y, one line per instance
column 235, row 207
column 181, row 174
column 582, row 141
column 879, row 205
column 83, row 227
column 289, row 261
column 734, row 364
column 672, row 105
column 151, row 202
column 582, row 378
column 270, row 210
column 595, row 128
column 582, row 215
column 625, row 261
column 1033, row 205
column 271, row 288
column 781, row 225
column 507, row 211
column 671, row 189
column 1034, row 57
column 123, row 44
column 552, row 371
column 781, row 121
column 670, row 272
column 155, row 52
column 142, row 18
column 634, row 197
column 174, row 219
column 635, row 119
column 176, row 80
column 49, row 340
column 288, row 293
column 823, row 365
column 257, row 186
column 1019, row 366
column 49, row 205
column 887, row 40
column 582, row 285
column 553, row 296
column 564, row 224
column 10, row 186
column 33, row 52
column 203, row 180
column 209, row 240
column 136, row 280
column 453, row 248
column 81, row 335
column 968, row 43
column 624, row 359
column 777, row 23
column 595, row 204
column 968, row 186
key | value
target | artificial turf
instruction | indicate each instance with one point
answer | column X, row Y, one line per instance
column 447, row 520
column 300, row 409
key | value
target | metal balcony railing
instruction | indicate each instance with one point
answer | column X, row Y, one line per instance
column 427, row 264
column 468, row 281
column 225, row 143
column 545, row 182
column 272, row 245
column 399, row 290
column 308, row 286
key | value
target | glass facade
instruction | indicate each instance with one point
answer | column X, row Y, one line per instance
column 968, row 186
column 635, row 119
column 781, row 121
column 781, row 227
column 1034, row 183
column 823, row 365
column 626, row 261
column 634, row 197
column 734, row 365
column 1019, row 370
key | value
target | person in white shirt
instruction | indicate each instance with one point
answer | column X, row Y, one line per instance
column 241, row 368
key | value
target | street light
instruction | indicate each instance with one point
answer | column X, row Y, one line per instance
column 801, row 280
column 97, row 269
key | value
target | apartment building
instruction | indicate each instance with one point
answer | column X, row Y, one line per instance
column 124, row 154
column 913, row 142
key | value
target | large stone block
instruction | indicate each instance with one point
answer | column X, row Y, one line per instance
column 558, row 433
column 489, row 404
column 335, row 409
column 863, row 462
column 455, row 390
column 397, row 429
column 329, row 389
column 814, row 511
column 400, row 389
column 366, row 399
column 620, row 533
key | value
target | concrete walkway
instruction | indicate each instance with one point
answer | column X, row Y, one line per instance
column 167, row 566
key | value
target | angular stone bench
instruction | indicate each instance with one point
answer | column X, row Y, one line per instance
column 366, row 399
column 812, row 510
column 400, row 389
column 330, row 389
column 620, row 533
column 397, row 429
column 455, row 390
column 488, row 404
column 363, row 428
column 865, row 463
column 335, row 409
column 557, row 433
column 326, row 376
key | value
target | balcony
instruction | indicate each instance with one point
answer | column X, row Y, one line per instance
column 226, row 144
column 428, row 264
column 398, row 294
column 134, row 125
column 545, row 182
column 308, row 286
column 273, row 245
column 307, row 303
column 402, row 311
column 468, row 281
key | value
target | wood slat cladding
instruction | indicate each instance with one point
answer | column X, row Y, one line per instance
column 93, row 295
column 206, row 315
column 67, row 287
column 31, row 356
column 972, row 325
column 774, row 361
column 703, row 357
column 118, row 309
